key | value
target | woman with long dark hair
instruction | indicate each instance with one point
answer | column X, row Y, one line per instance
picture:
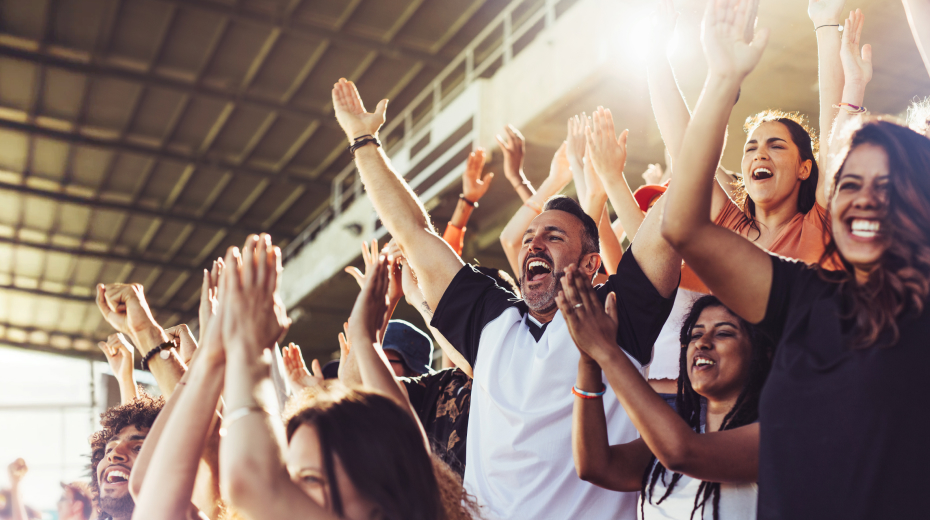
column 842, row 433
column 702, row 460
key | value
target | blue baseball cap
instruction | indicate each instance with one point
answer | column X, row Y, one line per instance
column 413, row 345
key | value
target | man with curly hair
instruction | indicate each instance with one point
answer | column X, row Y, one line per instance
column 114, row 450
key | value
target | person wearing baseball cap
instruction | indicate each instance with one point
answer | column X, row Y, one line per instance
column 647, row 194
column 408, row 349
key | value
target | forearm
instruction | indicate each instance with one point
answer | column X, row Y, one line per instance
column 16, row 503
column 521, row 185
column 251, row 463
column 590, row 446
column 688, row 200
column 462, row 213
column 128, row 390
column 918, row 17
column 175, row 464
column 448, row 350
column 668, row 103
column 399, row 208
column 167, row 372
column 611, row 248
column 854, row 94
column 621, row 198
column 830, row 71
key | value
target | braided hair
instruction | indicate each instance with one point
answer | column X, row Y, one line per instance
column 690, row 405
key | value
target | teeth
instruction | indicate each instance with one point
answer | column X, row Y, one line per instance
column 865, row 228
column 537, row 263
column 702, row 361
column 759, row 171
column 116, row 473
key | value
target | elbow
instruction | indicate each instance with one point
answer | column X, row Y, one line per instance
column 588, row 470
column 676, row 459
column 675, row 232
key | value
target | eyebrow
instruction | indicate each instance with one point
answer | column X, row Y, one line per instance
column 719, row 323
column 770, row 140
column 557, row 229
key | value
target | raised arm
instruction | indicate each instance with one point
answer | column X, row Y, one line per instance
column 737, row 272
column 595, row 205
column 827, row 18
column 253, row 474
column 857, row 70
column 124, row 307
column 668, row 102
column 118, row 352
column 399, row 208
column 512, row 235
column 474, row 186
column 514, row 148
column 918, row 17
column 727, row 456
column 184, row 429
column 608, row 155
column 18, row 470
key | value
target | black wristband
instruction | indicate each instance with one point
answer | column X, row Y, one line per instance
column 466, row 201
column 829, row 25
column 362, row 141
column 152, row 353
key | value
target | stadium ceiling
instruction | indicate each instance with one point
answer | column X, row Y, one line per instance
column 141, row 138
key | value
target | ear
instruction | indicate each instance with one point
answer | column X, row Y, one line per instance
column 805, row 170
column 589, row 265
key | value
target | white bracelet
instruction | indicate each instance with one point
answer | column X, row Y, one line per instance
column 237, row 414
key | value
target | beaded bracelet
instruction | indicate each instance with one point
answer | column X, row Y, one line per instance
column 466, row 201
column 589, row 395
column 361, row 141
column 168, row 345
column 852, row 109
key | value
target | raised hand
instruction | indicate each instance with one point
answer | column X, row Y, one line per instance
column 18, row 470
column 825, row 12
column 728, row 53
column 474, row 186
column 181, row 335
column 295, row 368
column 591, row 325
column 576, row 140
column 663, row 25
column 209, row 294
column 607, row 151
column 369, row 254
column 514, row 148
column 351, row 114
column 124, row 307
column 119, row 353
column 560, row 171
column 253, row 317
column 371, row 306
column 595, row 195
column 857, row 66
column 653, row 174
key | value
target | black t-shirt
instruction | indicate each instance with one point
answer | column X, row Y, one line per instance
column 473, row 300
column 442, row 402
column 844, row 433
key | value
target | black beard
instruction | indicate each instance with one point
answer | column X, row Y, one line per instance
column 118, row 507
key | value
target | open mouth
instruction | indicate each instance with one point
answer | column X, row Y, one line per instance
column 864, row 228
column 116, row 476
column 702, row 363
column 537, row 269
column 761, row 174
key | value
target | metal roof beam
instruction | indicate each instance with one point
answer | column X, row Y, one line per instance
column 80, row 299
column 111, row 256
column 48, row 349
column 127, row 147
column 135, row 209
column 153, row 79
column 343, row 39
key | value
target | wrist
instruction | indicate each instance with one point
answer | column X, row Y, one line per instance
column 149, row 338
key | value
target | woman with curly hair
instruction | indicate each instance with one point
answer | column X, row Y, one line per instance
column 841, row 435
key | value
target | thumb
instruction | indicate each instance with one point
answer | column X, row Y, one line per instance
column 610, row 306
column 381, row 108
column 867, row 53
column 760, row 40
column 487, row 178
column 343, row 347
column 623, row 137
column 316, row 369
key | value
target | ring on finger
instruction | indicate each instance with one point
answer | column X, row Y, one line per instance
column 577, row 305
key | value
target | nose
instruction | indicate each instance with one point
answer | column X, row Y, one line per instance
column 536, row 244
column 868, row 198
column 118, row 454
column 704, row 342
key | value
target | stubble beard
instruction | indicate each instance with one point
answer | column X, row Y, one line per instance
column 118, row 507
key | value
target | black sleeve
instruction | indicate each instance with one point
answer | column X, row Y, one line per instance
column 422, row 391
column 470, row 302
column 641, row 310
column 786, row 274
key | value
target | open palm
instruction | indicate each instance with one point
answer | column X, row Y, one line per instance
column 728, row 53
column 351, row 114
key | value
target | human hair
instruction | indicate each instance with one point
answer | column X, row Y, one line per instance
column 918, row 116
column 502, row 278
column 901, row 281
column 82, row 493
column 590, row 240
column 141, row 412
column 688, row 403
column 382, row 451
column 804, row 137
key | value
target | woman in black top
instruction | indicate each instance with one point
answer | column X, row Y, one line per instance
column 842, row 431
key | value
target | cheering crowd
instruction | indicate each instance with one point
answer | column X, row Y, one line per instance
column 756, row 352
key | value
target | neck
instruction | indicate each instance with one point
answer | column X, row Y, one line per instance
column 545, row 315
column 717, row 409
column 773, row 218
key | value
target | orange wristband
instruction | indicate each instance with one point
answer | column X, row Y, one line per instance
column 533, row 206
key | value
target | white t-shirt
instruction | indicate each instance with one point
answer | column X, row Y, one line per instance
column 737, row 501
column 667, row 352
column 518, row 455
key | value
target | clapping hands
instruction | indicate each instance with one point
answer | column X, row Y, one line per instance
column 593, row 326
column 857, row 66
column 724, row 36
column 296, row 369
